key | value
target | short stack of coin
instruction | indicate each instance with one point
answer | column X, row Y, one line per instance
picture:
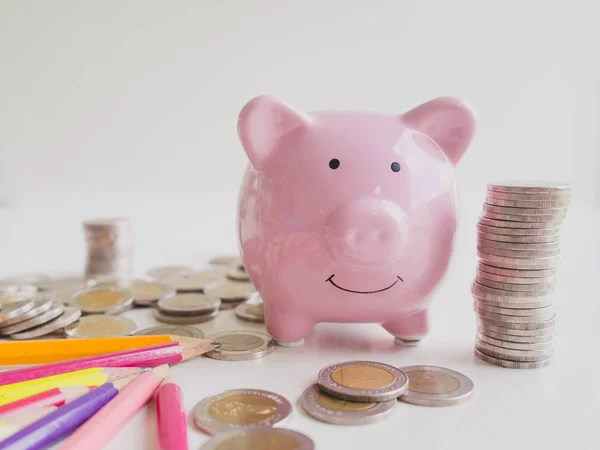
column 109, row 249
column 187, row 308
column 518, row 253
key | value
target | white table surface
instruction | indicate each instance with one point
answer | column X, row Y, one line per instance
column 556, row 407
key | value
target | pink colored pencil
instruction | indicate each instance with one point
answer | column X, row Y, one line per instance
column 51, row 397
column 170, row 413
column 97, row 431
column 156, row 355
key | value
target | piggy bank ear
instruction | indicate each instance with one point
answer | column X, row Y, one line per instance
column 263, row 123
column 449, row 121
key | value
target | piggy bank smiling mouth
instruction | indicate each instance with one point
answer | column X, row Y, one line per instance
column 330, row 280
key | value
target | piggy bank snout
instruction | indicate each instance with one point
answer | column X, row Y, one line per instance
column 367, row 232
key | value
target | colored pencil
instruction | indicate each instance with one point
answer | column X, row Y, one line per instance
column 96, row 432
column 43, row 432
column 51, row 397
column 88, row 377
column 170, row 415
column 153, row 356
column 54, row 350
column 10, row 425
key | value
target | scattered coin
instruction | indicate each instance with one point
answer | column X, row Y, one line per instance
column 100, row 325
column 363, row 381
column 9, row 299
column 147, row 293
column 68, row 316
column 225, row 260
column 28, row 290
column 184, row 320
column 40, row 306
column 259, row 438
column 55, row 284
column 188, row 304
column 241, row 345
column 436, row 386
column 167, row 272
column 54, row 310
column 67, row 294
column 196, row 281
column 103, row 300
column 515, row 345
column 239, row 408
column 513, row 364
column 10, row 311
column 513, row 355
column 230, row 291
column 230, row 305
column 181, row 330
column 326, row 408
column 251, row 312
column 238, row 273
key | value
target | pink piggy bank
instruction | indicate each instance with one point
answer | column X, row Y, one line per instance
column 349, row 216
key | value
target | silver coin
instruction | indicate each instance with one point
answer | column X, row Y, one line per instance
column 188, row 304
column 515, row 287
column 228, row 260
column 535, row 204
column 507, row 319
column 172, row 330
column 514, row 280
column 436, row 386
column 558, row 211
column 184, row 320
column 56, row 309
column 486, row 243
column 548, row 228
column 103, row 300
column 326, row 408
column 18, row 289
column 515, row 345
column 495, row 327
column 197, row 281
column 493, row 294
column 503, row 238
column 167, row 272
column 547, row 219
column 518, row 253
column 513, row 364
column 259, row 438
column 146, row 293
column 225, row 306
column 11, row 311
column 238, row 274
column 530, row 325
column 241, row 345
column 64, row 283
column 10, row 299
column 509, row 262
column 513, row 355
column 231, row 291
column 510, row 231
column 40, row 306
column 516, row 339
column 238, row 408
column 100, row 325
column 67, row 294
column 518, row 312
column 363, row 381
column 502, row 303
column 517, row 273
column 529, row 187
column 68, row 316
column 251, row 312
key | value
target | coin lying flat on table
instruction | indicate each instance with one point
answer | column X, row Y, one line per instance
column 251, row 312
column 99, row 325
column 186, row 304
column 241, row 345
column 10, row 299
column 10, row 311
column 238, row 273
column 40, row 306
column 237, row 408
column 54, row 310
column 69, row 316
column 197, row 281
column 103, row 300
column 363, row 381
column 184, row 320
column 166, row 272
column 513, row 364
column 259, row 438
column 174, row 330
column 231, row 291
column 147, row 293
column 436, row 386
column 61, row 283
column 18, row 289
column 225, row 260
column 326, row 408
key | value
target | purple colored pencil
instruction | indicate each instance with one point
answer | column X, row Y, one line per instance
column 42, row 433
column 150, row 357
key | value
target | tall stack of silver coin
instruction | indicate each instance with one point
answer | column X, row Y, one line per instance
column 518, row 251
column 109, row 249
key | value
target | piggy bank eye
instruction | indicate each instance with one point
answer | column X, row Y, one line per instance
column 334, row 163
column 396, row 167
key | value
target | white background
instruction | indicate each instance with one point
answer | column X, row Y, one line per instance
column 130, row 108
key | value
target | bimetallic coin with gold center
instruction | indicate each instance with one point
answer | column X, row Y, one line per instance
column 241, row 408
column 326, row 408
column 103, row 300
column 260, row 438
column 436, row 386
column 363, row 381
column 98, row 325
column 241, row 345
column 251, row 312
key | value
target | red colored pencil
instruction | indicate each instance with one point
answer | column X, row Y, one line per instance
column 170, row 413
column 52, row 397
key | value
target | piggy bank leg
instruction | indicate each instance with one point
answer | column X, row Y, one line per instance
column 288, row 330
column 410, row 328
